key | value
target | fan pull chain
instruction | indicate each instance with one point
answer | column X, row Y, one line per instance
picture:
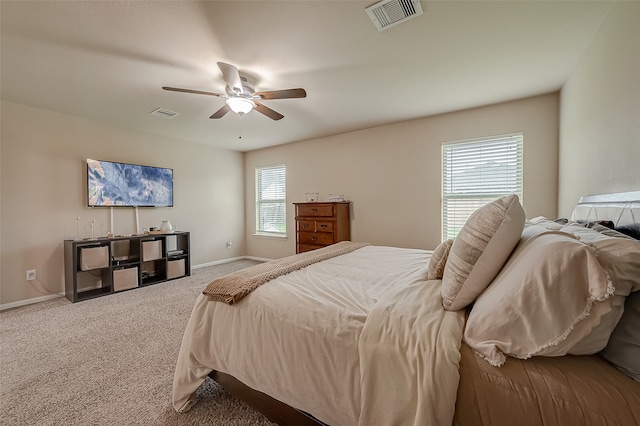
column 240, row 127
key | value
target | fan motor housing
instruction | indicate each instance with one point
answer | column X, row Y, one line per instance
column 249, row 89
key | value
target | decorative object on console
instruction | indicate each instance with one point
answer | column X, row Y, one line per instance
column 311, row 197
column 166, row 226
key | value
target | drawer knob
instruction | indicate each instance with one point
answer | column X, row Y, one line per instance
column 314, row 238
column 305, row 226
column 323, row 226
column 314, row 210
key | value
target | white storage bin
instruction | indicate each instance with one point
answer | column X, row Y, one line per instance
column 125, row 278
column 175, row 268
column 94, row 258
column 151, row 250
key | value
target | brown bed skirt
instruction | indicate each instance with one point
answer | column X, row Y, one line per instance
column 549, row 391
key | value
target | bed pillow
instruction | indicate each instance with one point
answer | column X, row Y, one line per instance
column 623, row 349
column 438, row 260
column 550, row 295
column 480, row 249
column 620, row 258
column 547, row 223
column 632, row 230
column 608, row 231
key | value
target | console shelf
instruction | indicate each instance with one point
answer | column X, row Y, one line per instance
column 103, row 266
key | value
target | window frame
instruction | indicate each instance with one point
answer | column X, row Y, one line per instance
column 278, row 200
column 475, row 195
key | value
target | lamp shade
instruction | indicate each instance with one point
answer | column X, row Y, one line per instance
column 240, row 105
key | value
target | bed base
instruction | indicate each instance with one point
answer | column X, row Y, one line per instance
column 276, row 411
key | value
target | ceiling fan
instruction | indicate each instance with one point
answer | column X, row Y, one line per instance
column 241, row 97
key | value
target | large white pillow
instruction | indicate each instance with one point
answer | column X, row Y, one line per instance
column 620, row 258
column 548, row 297
column 480, row 249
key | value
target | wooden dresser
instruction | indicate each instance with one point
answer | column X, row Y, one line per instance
column 321, row 224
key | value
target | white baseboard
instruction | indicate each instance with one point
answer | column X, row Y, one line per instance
column 259, row 259
column 232, row 259
column 217, row 262
column 19, row 303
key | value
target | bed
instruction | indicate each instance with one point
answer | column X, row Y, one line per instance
column 514, row 321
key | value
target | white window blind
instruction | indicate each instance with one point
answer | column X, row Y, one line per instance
column 475, row 173
column 271, row 205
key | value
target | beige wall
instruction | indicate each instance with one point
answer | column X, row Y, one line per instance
column 43, row 181
column 600, row 113
column 392, row 173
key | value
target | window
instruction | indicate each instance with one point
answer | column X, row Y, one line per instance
column 271, row 205
column 476, row 172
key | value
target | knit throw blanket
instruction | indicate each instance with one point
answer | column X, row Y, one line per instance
column 233, row 287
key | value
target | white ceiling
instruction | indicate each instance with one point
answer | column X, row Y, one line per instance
column 107, row 61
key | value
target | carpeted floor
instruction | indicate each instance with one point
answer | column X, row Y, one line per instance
column 108, row 361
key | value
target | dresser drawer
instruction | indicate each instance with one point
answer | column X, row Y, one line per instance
column 307, row 247
column 315, row 238
column 324, row 226
column 306, row 225
column 315, row 226
column 315, row 210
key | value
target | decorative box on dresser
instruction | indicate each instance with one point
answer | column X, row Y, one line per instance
column 320, row 224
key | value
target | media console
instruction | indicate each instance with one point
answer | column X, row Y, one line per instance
column 102, row 266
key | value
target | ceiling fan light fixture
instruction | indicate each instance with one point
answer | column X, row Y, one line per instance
column 241, row 96
column 241, row 105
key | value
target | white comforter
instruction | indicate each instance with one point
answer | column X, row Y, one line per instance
column 359, row 339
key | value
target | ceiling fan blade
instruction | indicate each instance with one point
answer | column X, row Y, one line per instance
column 268, row 112
column 231, row 76
column 221, row 112
column 282, row 94
column 197, row 92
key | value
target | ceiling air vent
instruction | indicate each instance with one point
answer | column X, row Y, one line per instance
column 164, row 113
column 388, row 13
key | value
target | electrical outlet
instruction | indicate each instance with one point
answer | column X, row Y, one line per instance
column 31, row 274
column 229, row 244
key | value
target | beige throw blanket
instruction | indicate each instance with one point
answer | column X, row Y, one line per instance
column 233, row 287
